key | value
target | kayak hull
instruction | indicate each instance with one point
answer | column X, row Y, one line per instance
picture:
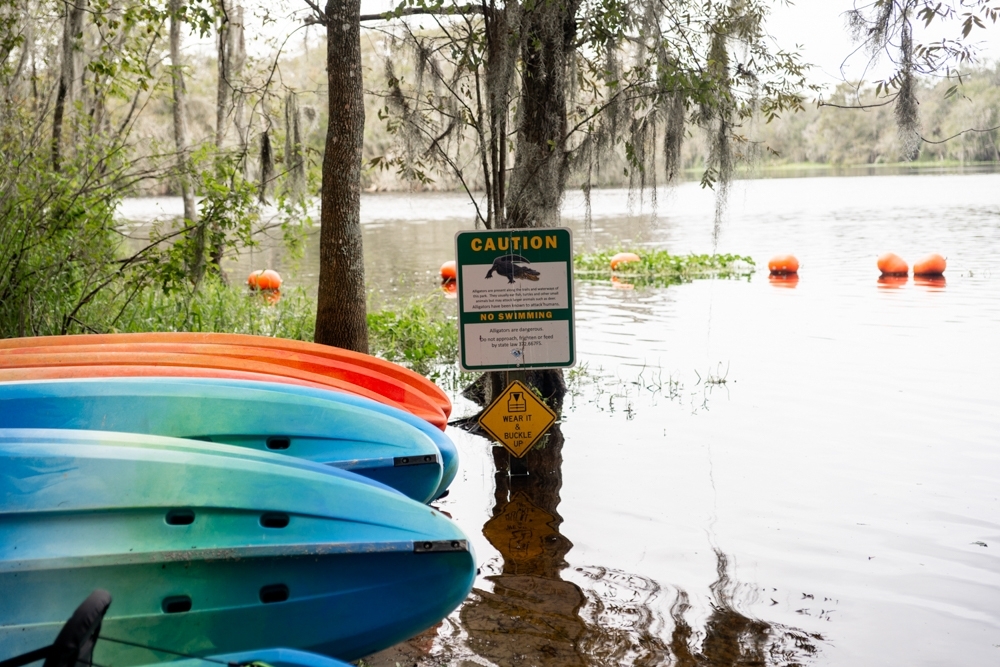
column 327, row 427
column 210, row 549
column 97, row 357
column 331, row 365
column 446, row 447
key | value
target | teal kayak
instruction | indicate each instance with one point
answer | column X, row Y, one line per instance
column 334, row 428
column 210, row 549
column 446, row 447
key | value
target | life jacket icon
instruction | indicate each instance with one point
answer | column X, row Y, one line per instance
column 516, row 402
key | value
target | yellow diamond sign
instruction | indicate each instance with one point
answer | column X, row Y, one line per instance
column 517, row 419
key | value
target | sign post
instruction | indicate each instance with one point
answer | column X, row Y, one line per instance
column 515, row 299
column 515, row 310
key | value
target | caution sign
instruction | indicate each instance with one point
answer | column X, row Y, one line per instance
column 520, row 530
column 515, row 299
column 517, row 419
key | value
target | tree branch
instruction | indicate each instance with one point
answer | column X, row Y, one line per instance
column 320, row 16
column 989, row 129
column 857, row 106
column 414, row 11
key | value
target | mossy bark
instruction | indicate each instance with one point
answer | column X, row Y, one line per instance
column 340, row 313
column 538, row 179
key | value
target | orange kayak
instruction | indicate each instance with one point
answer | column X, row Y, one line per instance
column 338, row 356
column 74, row 361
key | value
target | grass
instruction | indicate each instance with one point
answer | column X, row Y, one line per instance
column 658, row 268
column 217, row 307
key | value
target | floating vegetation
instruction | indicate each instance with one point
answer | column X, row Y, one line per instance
column 658, row 268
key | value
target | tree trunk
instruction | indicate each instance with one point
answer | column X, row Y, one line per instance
column 223, row 91
column 340, row 314
column 501, row 54
column 230, row 56
column 196, row 262
column 69, row 83
column 295, row 173
column 538, row 180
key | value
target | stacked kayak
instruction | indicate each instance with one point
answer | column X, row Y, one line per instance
column 339, row 429
column 210, row 549
column 228, row 354
column 294, row 365
column 232, row 493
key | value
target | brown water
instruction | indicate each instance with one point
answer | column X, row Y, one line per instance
column 747, row 472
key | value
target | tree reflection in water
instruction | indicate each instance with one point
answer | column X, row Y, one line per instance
column 535, row 617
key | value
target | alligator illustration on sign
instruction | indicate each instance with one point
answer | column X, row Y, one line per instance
column 505, row 266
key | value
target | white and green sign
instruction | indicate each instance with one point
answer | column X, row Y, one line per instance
column 515, row 299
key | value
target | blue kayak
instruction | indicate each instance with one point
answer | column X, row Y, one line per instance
column 447, row 449
column 211, row 549
column 334, row 428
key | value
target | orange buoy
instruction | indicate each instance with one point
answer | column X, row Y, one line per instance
column 269, row 280
column 252, row 279
column 449, row 271
column 931, row 265
column 273, row 296
column 891, row 264
column 450, row 288
column 783, row 265
column 624, row 258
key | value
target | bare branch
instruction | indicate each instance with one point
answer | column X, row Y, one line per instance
column 417, row 11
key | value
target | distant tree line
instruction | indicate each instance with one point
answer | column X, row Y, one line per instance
column 957, row 125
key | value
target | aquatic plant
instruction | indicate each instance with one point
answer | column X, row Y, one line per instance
column 660, row 268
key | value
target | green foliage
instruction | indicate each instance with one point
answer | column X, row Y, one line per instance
column 421, row 333
column 659, row 268
column 67, row 263
column 58, row 245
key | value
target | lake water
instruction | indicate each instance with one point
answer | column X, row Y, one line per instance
column 747, row 472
